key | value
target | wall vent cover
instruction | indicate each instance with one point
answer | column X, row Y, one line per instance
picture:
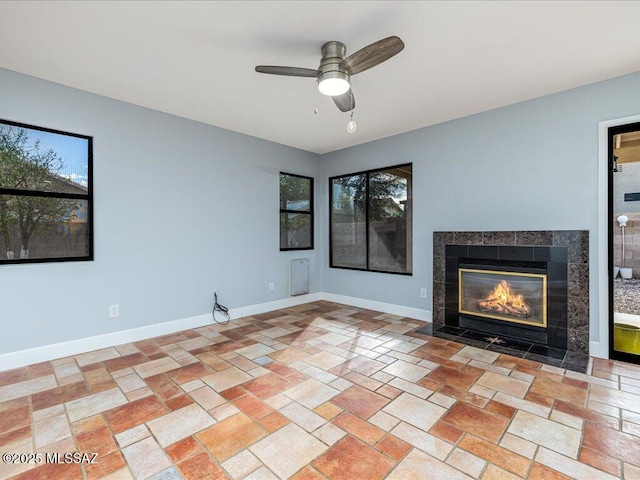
column 299, row 276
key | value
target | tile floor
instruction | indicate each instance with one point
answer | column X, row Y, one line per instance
column 318, row 391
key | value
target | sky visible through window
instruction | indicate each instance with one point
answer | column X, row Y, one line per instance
column 71, row 150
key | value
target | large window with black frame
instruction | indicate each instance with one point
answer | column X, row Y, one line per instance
column 45, row 195
column 296, row 212
column 371, row 220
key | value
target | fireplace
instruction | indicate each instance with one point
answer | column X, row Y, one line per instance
column 517, row 292
column 467, row 268
column 503, row 296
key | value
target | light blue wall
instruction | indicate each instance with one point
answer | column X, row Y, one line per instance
column 529, row 166
column 181, row 209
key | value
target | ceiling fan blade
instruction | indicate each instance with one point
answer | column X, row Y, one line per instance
column 372, row 55
column 345, row 102
column 288, row 71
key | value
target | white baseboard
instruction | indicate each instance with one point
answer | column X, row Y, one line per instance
column 74, row 347
column 83, row 345
column 275, row 305
column 418, row 314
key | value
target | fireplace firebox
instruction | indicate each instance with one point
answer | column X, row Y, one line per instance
column 508, row 291
column 505, row 296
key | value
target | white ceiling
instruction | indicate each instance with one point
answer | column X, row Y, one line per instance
column 196, row 59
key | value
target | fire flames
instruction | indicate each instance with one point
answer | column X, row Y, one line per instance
column 502, row 301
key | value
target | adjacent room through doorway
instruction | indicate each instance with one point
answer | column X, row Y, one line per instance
column 624, row 248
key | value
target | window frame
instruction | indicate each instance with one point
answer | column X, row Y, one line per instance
column 368, row 174
column 88, row 197
column 311, row 213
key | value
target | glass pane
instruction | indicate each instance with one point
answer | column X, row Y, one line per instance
column 626, row 244
column 348, row 222
column 389, row 220
column 295, row 193
column 37, row 227
column 504, row 296
column 32, row 159
column 295, row 230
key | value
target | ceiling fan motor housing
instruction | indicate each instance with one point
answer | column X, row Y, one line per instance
column 332, row 55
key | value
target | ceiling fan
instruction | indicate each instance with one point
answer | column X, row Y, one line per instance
column 333, row 76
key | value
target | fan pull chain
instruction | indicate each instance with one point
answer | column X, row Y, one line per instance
column 351, row 126
column 317, row 95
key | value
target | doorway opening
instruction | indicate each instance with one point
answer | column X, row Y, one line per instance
column 624, row 242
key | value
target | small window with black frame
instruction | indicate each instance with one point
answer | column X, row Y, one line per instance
column 45, row 195
column 296, row 212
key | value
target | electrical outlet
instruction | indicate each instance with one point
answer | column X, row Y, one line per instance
column 272, row 286
column 423, row 293
column 114, row 311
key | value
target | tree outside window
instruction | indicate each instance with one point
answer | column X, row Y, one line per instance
column 371, row 220
column 45, row 195
column 296, row 212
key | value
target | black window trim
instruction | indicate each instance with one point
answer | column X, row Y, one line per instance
column 330, row 202
column 39, row 193
column 310, row 212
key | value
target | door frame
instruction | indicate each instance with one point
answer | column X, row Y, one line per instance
column 604, row 346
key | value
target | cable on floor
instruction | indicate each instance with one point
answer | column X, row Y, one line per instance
column 221, row 309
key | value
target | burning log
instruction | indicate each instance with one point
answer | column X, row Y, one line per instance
column 492, row 306
column 502, row 302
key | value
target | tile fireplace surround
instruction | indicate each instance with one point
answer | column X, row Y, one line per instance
column 576, row 243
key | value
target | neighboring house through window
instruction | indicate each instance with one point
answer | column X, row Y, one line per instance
column 296, row 212
column 371, row 220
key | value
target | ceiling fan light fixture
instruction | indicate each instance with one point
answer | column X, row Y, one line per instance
column 333, row 83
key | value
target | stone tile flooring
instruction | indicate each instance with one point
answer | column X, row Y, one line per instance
column 318, row 391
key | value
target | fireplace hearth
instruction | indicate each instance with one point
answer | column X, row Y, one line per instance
column 523, row 292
